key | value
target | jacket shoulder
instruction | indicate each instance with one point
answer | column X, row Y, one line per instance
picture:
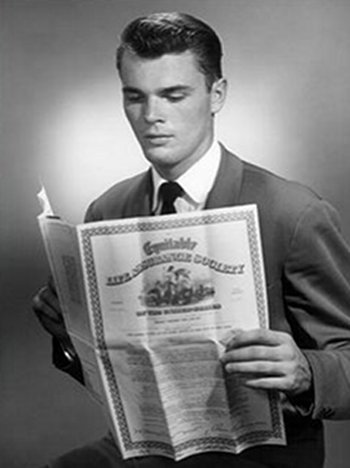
column 114, row 202
column 276, row 196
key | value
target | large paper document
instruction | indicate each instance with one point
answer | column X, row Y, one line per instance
column 150, row 304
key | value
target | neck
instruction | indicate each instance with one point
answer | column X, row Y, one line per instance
column 172, row 172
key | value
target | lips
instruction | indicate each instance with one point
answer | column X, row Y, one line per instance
column 157, row 138
column 156, row 135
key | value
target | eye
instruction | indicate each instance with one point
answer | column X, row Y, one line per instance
column 175, row 96
column 133, row 98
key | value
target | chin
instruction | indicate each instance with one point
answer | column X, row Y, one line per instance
column 159, row 156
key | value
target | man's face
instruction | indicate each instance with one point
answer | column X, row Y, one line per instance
column 170, row 109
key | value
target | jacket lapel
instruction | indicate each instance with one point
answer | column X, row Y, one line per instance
column 228, row 182
column 139, row 201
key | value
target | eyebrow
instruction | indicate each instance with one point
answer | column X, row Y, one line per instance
column 170, row 89
column 129, row 89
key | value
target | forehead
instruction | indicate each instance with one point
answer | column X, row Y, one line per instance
column 166, row 71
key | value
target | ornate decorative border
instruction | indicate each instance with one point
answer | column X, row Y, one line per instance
column 87, row 232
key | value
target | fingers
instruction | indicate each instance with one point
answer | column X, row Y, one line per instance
column 258, row 345
column 46, row 302
column 272, row 383
column 290, row 383
column 265, row 375
column 242, row 338
column 257, row 353
column 255, row 367
column 47, row 309
column 267, row 359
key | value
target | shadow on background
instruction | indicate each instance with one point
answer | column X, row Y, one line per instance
column 61, row 124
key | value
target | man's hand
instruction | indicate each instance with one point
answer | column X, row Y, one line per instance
column 47, row 308
column 268, row 360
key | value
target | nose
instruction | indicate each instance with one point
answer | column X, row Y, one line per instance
column 152, row 110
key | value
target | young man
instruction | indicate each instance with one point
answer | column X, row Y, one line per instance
column 170, row 69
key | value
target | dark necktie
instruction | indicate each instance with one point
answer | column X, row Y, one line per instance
column 168, row 193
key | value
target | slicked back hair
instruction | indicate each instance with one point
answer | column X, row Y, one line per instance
column 157, row 34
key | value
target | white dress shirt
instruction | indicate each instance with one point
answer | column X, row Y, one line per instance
column 196, row 182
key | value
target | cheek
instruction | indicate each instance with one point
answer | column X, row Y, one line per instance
column 196, row 121
column 133, row 117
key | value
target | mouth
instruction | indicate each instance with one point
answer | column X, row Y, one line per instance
column 157, row 139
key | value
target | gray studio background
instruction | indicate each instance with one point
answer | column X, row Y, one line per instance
column 288, row 64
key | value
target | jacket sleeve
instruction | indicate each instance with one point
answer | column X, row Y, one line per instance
column 317, row 295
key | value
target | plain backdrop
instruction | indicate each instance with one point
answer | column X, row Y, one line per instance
column 62, row 125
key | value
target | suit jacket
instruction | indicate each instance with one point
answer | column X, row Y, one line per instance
column 307, row 264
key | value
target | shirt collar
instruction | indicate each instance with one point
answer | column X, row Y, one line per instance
column 197, row 181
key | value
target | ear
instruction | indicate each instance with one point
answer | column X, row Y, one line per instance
column 218, row 95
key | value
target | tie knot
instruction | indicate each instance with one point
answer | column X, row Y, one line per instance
column 168, row 192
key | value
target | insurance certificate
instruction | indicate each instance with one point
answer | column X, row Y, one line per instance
column 150, row 304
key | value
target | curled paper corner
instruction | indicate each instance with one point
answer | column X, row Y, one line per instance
column 44, row 203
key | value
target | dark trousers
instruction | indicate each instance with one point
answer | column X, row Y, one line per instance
column 305, row 449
